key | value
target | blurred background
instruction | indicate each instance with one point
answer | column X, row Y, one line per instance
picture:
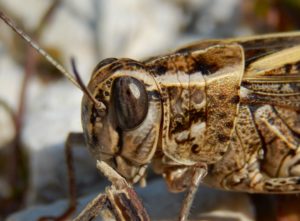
column 39, row 107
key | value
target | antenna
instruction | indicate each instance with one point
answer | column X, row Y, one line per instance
column 99, row 105
column 77, row 82
column 38, row 49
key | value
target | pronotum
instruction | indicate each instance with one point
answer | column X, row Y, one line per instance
column 216, row 111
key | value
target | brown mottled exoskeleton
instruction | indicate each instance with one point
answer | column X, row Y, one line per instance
column 217, row 111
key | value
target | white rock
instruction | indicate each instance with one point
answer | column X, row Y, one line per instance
column 9, row 96
column 30, row 17
column 73, row 36
column 11, row 76
column 6, row 126
column 52, row 111
column 137, row 28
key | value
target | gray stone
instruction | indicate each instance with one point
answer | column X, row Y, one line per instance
column 162, row 205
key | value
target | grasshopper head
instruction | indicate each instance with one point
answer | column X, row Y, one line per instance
column 121, row 110
column 125, row 132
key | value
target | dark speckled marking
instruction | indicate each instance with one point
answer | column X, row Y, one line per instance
column 268, row 184
column 295, row 86
column 222, row 138
column 92, row 121
column 179, row 127
column 282, row 182
column 205, row 66
column 292, row 152
column 222, row 115
column 196, row 116
column 195, row 148
column 93, row 115
column 298, row 65
column 222, row 96
column 229, row 124
column 154, row 95
column 103, row 63
column 288, row 68
column 126, row 64
column 222, row 153
column 235, row 99
column 115, row 67
column 160, row 69
column 93, row 118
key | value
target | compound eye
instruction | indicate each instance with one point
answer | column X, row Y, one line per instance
column 130, row 102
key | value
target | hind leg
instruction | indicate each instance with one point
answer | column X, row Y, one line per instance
column 279, row 185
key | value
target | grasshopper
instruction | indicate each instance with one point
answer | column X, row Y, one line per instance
column 216, row 111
